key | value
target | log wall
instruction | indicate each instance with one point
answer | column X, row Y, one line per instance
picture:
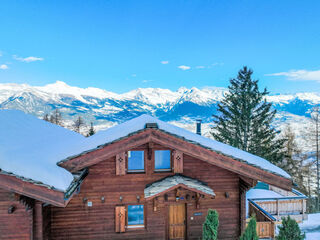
column 80, row 221
column 18, row 224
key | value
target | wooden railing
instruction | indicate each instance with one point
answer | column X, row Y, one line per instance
column 278, row 207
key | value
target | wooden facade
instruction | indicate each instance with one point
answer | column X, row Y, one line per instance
column 98, row 209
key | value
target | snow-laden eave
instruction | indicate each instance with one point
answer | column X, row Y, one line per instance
column 98, row 147
column 226, row 155
column 66, row 194
column 29, row 180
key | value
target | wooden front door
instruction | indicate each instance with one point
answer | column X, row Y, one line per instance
column 177, row 221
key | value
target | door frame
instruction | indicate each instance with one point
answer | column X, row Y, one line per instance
column 167, row 218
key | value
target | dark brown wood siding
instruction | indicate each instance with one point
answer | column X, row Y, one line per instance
column 79, row 221
column 18, row 224
column 46, row 212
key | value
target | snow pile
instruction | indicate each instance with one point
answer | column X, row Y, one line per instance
column 311, row 226
column 30, row 147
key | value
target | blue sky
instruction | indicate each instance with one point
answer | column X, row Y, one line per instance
column 122, row 45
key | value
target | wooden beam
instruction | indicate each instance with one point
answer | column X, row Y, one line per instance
column 150, row 147
column 38, row 221
column 29, row 189
column 220, row 160
column 180, row 185
column 243, row 187
column 110, row 150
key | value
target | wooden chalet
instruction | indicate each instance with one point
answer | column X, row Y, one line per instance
column 143, row 179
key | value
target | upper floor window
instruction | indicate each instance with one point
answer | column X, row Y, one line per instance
column 135, row 161
column 162, row 160
column 135, row 216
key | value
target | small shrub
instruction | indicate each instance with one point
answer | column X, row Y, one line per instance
column 210, row 226
column 290, row 230
column 251, row 231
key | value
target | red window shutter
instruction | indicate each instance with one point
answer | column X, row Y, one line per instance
column 177, row 161
column 121, row 164
column 120, row 219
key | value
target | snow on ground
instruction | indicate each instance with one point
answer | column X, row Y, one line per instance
column 311, row 226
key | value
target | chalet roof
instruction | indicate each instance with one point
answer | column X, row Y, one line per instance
column 31, row 148
column 171, row 182
column 135, row 125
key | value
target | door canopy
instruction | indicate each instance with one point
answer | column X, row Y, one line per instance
column 172, row 182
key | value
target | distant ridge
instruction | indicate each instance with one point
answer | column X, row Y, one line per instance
column 106, row 108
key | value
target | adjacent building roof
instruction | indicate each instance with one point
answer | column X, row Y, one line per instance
column 31, row 148
column 172, row 182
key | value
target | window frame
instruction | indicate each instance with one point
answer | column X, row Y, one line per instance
column 144, row 162
column 162, row 170
column 137, row 226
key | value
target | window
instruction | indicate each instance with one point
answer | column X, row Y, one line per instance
column 135, row 161
column 135, row 216
column 162, row 160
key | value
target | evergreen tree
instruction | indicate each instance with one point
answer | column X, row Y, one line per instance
column 251, row 232
column 91, row 130
column 244, row 119
column 77, row 124
column 290, row 230
column 210, row 226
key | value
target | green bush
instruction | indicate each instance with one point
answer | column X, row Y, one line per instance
column 290, row 230
column 251, row 231
column 210, row 226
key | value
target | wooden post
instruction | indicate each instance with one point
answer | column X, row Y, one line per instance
column 197, row 200
column 278, row 210
column 155, row 204
column 150, row 147
column 38, row 221
column 242, row 210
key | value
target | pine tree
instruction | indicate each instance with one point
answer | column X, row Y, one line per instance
column 91, row 130
column 210, row 226
column 251, row 232
column 290, row 230
column 77, row 124
column 244, row 119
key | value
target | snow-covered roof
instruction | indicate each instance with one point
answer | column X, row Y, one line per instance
column 262, row 193
column 31, row 148
column 137, row 124
column 172, row 181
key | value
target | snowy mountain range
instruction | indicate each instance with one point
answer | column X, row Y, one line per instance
column 181, row 107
